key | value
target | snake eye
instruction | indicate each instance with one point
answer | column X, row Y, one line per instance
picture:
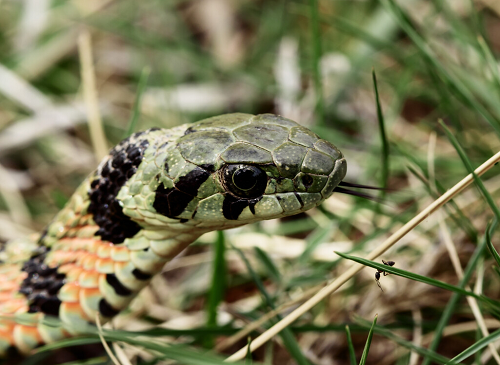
column 245, row 181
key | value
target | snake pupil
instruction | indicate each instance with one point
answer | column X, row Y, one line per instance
column 245, row 178
column 245, row 181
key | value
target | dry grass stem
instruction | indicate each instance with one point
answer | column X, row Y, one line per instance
column 90, row 95
column 47, row 122
column 355, row 268
column 103, row 341
column 455, row 329
column 23, row 93
column 13, row 198
column 121, row 354
column 417, row 335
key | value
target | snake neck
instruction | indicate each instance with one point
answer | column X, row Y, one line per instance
column 73, row 263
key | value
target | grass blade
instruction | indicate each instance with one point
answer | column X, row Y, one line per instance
column 427, row 354
column 268, row 264
column 180, row 353
column 454, row 85
column 470, row 169
column 248, row 358
column 477, row 355
column 318, row 236
column 368, row 342
column 482, row 343
column 316, row 59
column 218, row 286
column 417, row 277
column 350, row 345
column 490, row 246
column 491, row 61
column 383, row 137
column 287, row 334
column 143, row 79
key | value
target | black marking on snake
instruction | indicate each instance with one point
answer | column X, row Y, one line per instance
column 114, row 226
column 2, row 248
column 171, row 202
column 120, row 289
column 141, row 275
column 42, row 284
column 208, row 167
column 138, row 134
column 183, row 220
column 191, row 182
column 54, row 288
column 50, row 305
column 189, row 131
column 42, row 236
column 251, row 205
column 299, row 199
column 233, row 206
column 13, row 354
column 106, row 309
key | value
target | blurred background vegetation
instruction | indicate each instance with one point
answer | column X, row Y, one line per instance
column 164, row 63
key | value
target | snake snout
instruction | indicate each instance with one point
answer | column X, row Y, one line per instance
column 322, row 169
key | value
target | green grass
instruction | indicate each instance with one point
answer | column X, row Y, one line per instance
column 373, row 77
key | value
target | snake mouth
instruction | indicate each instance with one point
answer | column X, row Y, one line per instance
column 341, row 188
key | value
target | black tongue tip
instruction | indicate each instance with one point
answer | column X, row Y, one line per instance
column 341, row 188
column 359, row 186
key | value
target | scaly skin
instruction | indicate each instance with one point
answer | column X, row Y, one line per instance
column 154, row 194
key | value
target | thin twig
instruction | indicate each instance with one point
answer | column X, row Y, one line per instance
column 13, row 198
column 104, row 343
column 455, row 329
column 121, row 354
column 417, row 335
column 355, row 268
column 90, row 95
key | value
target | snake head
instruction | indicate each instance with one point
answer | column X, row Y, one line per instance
column 233, row 169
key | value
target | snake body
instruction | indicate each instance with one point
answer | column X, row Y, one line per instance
column 154, row 194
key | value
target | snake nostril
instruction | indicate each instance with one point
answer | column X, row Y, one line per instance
column 307, row 180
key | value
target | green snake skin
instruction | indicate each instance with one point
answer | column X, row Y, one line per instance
column 153, row 195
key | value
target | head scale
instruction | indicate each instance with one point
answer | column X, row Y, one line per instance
column 233, row 169
column 240, row 168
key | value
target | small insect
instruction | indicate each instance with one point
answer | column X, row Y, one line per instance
column 377, row 274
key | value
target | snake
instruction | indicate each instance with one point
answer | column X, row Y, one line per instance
column 155, row 193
